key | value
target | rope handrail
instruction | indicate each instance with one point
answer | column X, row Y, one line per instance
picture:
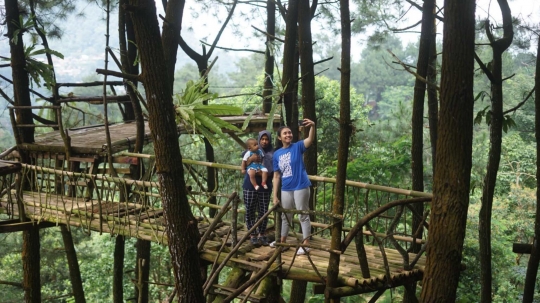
column 382, row 188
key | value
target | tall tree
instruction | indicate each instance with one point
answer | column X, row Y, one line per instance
column 21, row 91
column 417, row 148
column 498, row 47
column 182, row 231
column 269, row 56
column 21, row 83
column 174, row 12
column 534, row 260
column 454, row 149
column 345, row 130
column 432, row 93
column 305, row 55
column 289, row 76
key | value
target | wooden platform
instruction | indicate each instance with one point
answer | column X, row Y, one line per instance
column 133, row 220
column 92, row 139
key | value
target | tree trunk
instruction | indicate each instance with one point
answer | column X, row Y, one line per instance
column 128, row 58
column 181, row 226
column 417, row 148
column 345, row 130
column 171, row 35
column 142, row 269
column 269, row 56
column 494, row 156
column 308, row 89
column 534, row 260
column 433, row 100
column 73, row 264
column 118, row 269
column 454, row 151
column 31, row 266
column 298, row 291
column 288, row 80
column 21, row 83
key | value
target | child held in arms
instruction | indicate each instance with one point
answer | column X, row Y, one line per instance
column 255, row 167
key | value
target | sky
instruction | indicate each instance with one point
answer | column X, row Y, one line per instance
column 86, row 42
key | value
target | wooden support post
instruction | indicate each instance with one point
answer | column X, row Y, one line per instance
column 522, row 248
column 235, row 277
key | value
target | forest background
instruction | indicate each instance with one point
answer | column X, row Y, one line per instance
column 380, row 152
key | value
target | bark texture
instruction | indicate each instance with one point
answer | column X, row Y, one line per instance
column 269, row 56
column 21, row 82
column 181, row 229
column 31, row 266
column 454, row 151
column 288, row 80
column 345, row 130
column 171, row 35
column 534, row 260
column 73, row 264
column 433, row 100
column 498, row 47
column 118, row 269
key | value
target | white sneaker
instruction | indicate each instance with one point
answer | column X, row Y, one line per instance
column 273, row 244
column 302, row 251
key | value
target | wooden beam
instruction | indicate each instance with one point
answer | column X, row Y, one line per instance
column 8, row 167
column 22, row 226
column 522, row 248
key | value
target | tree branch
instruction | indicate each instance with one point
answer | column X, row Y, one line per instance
column 419, row 7
column 87, row 84
column 15, row 284
column 188, row 50
column 267, row 34
column 118, row 74
column 235, row 49
column 520, row 103
column 31, row 90
column 415, row 74
column 211, row 50
column 484, row 68
column 323, row 60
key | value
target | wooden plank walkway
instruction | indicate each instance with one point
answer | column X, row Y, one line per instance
column 133, row 220
column 92, row 139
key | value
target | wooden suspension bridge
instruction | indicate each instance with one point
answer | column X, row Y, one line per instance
column 79, row 191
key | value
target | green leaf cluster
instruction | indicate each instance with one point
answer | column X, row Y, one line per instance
column 199, row 117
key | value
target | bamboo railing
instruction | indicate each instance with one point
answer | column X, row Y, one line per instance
column 92, row 201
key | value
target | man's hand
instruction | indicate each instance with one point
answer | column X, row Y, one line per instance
column 276, row 201
column 243, row 171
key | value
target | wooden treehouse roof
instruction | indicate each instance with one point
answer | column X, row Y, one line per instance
column 91, row 140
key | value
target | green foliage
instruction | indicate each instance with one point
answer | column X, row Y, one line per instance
column 37, row 69
column 375, row 73
column 382, row 162
column 327, row 106
column 199, row 117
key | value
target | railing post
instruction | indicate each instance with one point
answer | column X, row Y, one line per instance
column 235, row 222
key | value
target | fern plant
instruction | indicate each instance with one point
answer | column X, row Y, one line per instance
column 201, row 118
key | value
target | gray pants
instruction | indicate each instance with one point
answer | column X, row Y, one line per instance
column 300, row 200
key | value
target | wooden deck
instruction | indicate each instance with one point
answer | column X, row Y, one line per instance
column 91, row 140
column 133, row 220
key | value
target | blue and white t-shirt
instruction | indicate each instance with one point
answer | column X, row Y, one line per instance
column 290, row 163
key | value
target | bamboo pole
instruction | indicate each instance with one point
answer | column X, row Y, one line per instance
column 381, row 188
